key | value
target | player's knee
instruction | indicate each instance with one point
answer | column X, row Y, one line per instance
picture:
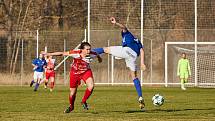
column 72, row 91
column 106, row 49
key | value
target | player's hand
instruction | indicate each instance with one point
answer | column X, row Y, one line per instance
column 143, row 67
column 99, row 59
column 113, row 20
column 35, row 67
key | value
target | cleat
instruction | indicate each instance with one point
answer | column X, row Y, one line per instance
column 51, row 90
column 68, row 110
column 85, row 106
column 183, row 88
column 141, row 103
column 45, row 87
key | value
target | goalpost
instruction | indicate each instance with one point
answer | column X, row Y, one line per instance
column 202, row 62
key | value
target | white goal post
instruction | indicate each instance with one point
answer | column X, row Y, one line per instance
column 203, row 64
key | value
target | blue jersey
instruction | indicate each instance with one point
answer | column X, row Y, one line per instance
column 128, row 40
column 40, row 63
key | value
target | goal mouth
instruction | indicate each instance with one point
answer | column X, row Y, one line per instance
column 202, row 66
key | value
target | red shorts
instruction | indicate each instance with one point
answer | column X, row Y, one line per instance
column 50, row 74
column 75, row 79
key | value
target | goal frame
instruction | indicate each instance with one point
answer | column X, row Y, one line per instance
column 195, row 51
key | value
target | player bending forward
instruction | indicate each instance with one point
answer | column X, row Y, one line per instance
column 80, row 70
column 131, row 48
column 50, row 73
column 183, row 70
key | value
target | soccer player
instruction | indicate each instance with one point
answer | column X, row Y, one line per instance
column 39, row 65
column 183, row 70
column 80, row 70
column 131, row 48
column 49, row 72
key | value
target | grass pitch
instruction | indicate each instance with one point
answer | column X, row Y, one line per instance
column 107, row 103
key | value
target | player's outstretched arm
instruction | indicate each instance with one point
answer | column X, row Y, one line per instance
column 123, row 27
column 58, row 54
column 142, row 54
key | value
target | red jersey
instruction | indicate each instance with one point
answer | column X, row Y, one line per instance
column 50, row 65
column 80, row 64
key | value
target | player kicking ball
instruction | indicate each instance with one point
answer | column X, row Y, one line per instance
column 39, row 65
column 131, row 48
column 80, row 70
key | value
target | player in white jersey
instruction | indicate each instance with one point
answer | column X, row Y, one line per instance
column 131, row 48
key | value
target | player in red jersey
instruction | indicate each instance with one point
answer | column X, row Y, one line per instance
column 49, row 72
column 80, row 70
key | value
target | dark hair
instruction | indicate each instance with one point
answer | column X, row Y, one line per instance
column 83, row 44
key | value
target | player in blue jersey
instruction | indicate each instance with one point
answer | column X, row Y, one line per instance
column 39, row 65
column 131, row 48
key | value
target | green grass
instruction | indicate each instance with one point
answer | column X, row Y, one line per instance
column 106, row 103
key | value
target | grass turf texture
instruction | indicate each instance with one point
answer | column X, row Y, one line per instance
column 107, row 103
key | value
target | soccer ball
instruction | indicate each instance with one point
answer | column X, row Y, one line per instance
column 157, row 100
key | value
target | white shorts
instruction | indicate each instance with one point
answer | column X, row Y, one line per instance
column 38, row 75
column 127, row 53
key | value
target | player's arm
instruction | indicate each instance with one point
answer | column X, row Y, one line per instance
column 188, row 64
column 142, row 61
column 178, row 69
column 58, row 54
column 121, row 26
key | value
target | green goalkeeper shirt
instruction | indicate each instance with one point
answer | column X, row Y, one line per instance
column 183, row 67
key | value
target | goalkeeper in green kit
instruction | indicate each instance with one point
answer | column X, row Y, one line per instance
column 183, row 70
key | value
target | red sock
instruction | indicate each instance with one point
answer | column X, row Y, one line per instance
column 52, row 85
column 72, row 101
column 86, row 95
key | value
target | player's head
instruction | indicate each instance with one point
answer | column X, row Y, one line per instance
column 41, row 56
column 183, row 55
column 85, row 47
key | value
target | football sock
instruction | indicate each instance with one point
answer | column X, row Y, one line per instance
column 182, row 81
column 138, row 87
column 32, row 82
column 98, row 50
column 86, row 95
column 72, row 100
column 52, row 85
column 36, row 86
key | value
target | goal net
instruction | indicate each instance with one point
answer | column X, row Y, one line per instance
column 203, row 74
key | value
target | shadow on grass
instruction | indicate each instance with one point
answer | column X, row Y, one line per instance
column 165, row 110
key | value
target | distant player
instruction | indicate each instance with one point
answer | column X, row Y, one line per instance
column 49, row 72
column 131, row 48
column 80, row 70
column 183, row 70
column 39, row 65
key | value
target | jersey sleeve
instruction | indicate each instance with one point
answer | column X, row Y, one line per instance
column 34, row 61
column 178, row 69
column 140, row 45
column 188, row 66
column 74, row 53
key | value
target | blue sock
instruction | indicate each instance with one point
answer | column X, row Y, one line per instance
column 36, row 86
column 32, row 82
column 98, row 50
column 138, row 87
